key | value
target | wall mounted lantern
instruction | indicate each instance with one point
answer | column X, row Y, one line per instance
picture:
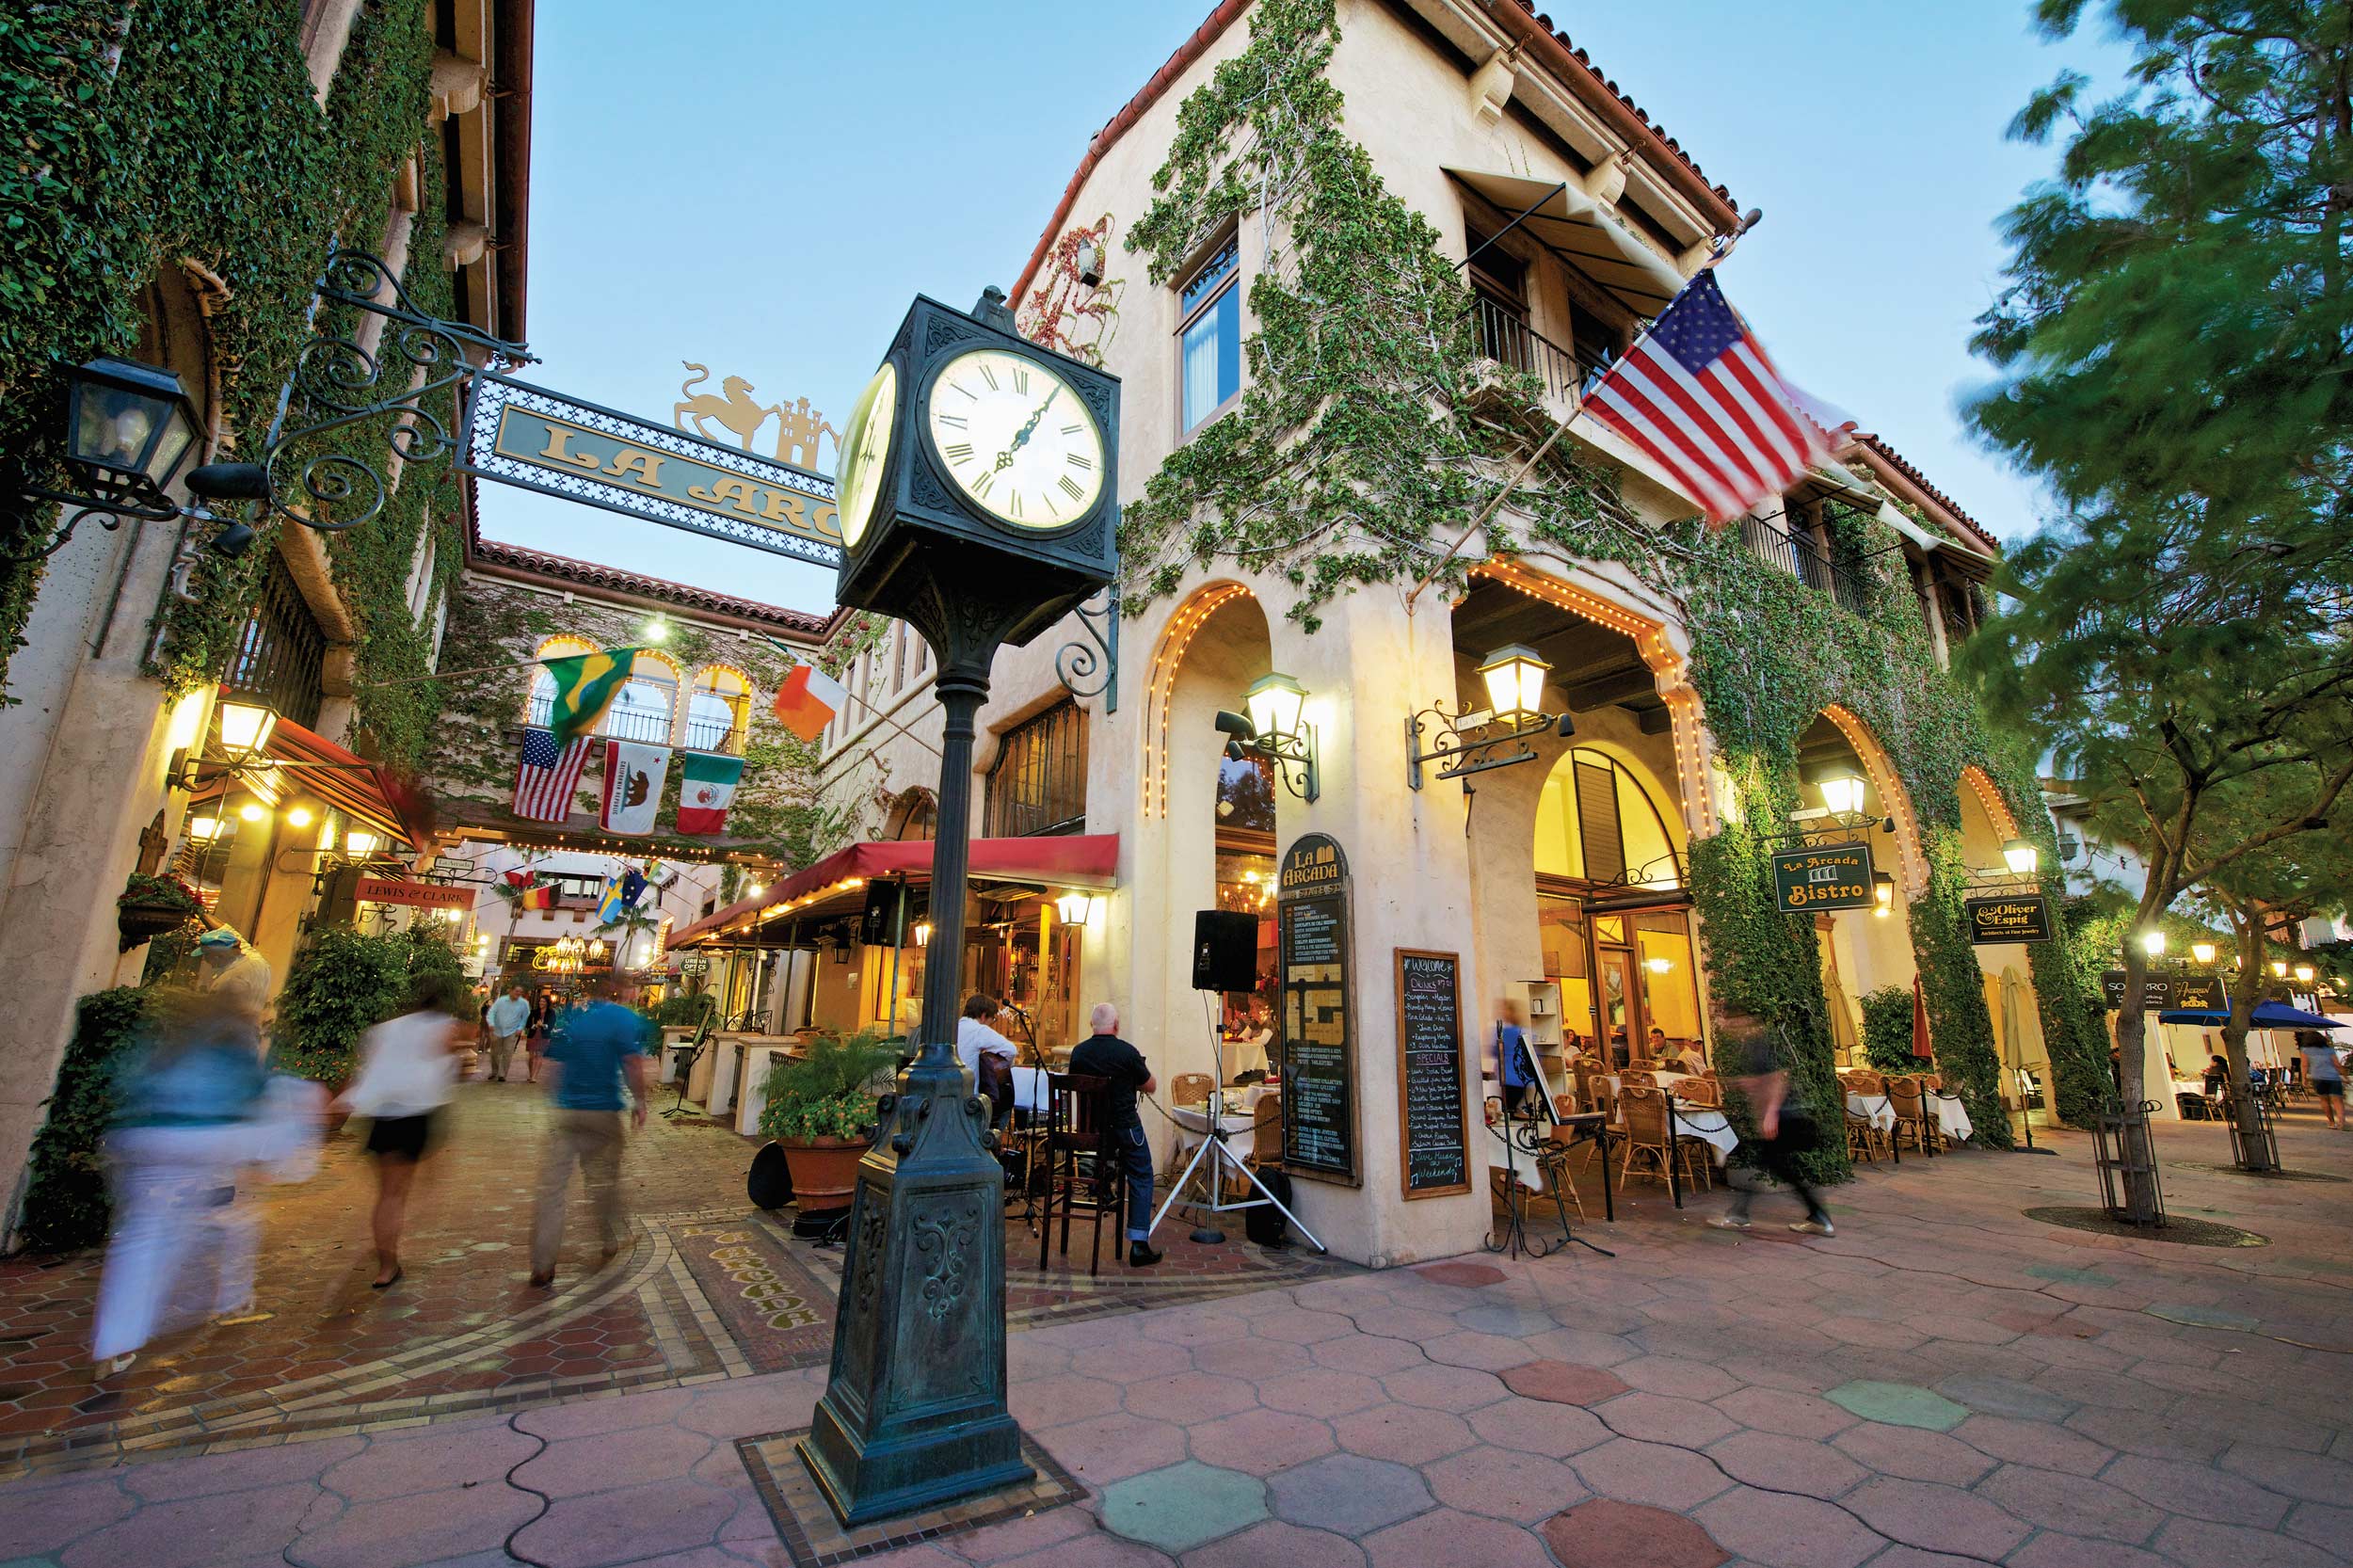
column 2203, row 952
column 1883, row 895
column 1466, row 742
column 2279, row 969
column 1842, row 794
column 922, row 934
column 2020, row 857
column 1273, row 705
column 1077, row 907
column 2304, row 974
column 2152, row 943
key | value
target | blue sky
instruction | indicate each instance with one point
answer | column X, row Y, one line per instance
column 761, row 188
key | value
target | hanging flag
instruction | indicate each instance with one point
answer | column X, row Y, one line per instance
column 585, row 684
column 609, row 900
column 521, row 876
column 1699, row 396
column 540, row 896
column 706, row 788
column 632, row 785
column 548, row 776
column 633, row 887
column 809, row 699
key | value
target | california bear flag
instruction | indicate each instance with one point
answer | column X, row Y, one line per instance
column 632, row 785
column 706, row 787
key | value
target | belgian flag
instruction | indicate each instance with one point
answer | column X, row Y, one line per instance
column 585, row 684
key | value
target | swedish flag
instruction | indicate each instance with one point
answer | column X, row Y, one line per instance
column 585, row 684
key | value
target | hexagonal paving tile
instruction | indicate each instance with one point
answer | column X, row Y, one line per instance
column 1562, row 1383
column 1349, row 1492
column 1604, row 1534
column 1900, row 1405
column 1182, row 1506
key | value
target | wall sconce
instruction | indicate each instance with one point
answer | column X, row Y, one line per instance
column 203, row 830
column 922, row 934
column 2304, row 974
column 2203, row 952
column 1274, row 704
column 1089, row 264
column 1842, row 794
column 2279, row 969
column 2020, row 857
column 1658, row 965
column 128, row 427
column 1883, row 895
column 1466, row 742
column 1078, row 908
column 2152, row 943
column 252, row 811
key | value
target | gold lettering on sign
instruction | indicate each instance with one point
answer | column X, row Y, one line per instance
column 555, row 453
column 645, row 465
column 740, row 494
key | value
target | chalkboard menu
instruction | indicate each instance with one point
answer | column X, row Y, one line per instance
column 1319, row 1042
column 1434, row 1120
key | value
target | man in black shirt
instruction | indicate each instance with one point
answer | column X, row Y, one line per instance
column 1106, row 1056
column 1785, row 1130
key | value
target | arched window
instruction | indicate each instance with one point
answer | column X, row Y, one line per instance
column 717, row 708
column 1597, row 824
column 643, row 708
column 913, row 815
column 540, row 713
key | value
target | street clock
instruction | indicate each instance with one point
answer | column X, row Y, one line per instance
column 978, row 469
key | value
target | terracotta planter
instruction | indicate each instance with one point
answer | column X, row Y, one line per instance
column 142, row 922
column 824, row 1171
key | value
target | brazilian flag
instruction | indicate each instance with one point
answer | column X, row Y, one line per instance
column 585, row 684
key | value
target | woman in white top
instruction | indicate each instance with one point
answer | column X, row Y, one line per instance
column 407, row 1072
column 987, row 1055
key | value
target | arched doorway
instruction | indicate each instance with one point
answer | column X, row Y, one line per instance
column 1864, row 952
column 1987, row 826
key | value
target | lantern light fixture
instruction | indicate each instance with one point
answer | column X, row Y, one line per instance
column 1842, row 793
column 2020, row 857
column 1273, row 708
column 246, row 726
column 2203, row 952
column 2279, row 969
column 2304, row 974
column 1883, row 895
column 359, row 845
column 1077, row 907
column 299, row 816
column 2152, row 943
column 1512, row 678
column 1515, row 683
column 252, row 811
column 203, row 830
column 1658, row 964
column 922, row 934
column 128, row 427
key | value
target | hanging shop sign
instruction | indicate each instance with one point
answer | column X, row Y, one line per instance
column 2160, row 992
column 424, row 895
column 1829, row 876
column 2018, row 918
column 1433, row 1112
column 526, row 436
column 1319, row 1036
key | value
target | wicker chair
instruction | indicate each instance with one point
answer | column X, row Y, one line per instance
column 1701, row 1091
column 1191, row 1089
column 1646, row 1135
column 1865, row 1139
column 1913, row 1119
column 1266, row 1134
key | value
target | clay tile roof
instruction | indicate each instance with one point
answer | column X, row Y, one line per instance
column 1626, row 101
column 1903, row 465
column 591, row 574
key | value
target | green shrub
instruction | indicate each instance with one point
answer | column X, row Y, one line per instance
column 684, row 1012
column 828, row 1093
column 66, row 1205
column 1887, row 1030
column 342, row 985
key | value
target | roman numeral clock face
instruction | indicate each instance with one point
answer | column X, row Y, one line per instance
column 1017, row 439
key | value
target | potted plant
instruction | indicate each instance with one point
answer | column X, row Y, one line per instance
column 819, row 1110
column 150, row 905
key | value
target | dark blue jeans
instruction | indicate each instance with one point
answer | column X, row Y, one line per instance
column 1131, row 1152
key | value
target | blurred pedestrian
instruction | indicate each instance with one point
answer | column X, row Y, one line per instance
column 407, row 1072
column 507, row 1020
column 2323, row 1073
column 599, row 1053
column 227, row 967
column 1786, row 1129
column 542, row 1027
column 186, row 1101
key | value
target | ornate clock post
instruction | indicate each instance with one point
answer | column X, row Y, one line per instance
column 978, row 504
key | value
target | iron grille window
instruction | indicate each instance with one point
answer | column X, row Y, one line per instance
column 279, row 652
column 1039, row 783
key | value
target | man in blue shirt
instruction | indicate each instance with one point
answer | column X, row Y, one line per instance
column 599, row 1051
column 508, row 1018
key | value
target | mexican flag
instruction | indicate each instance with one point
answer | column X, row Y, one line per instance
column 706, row 788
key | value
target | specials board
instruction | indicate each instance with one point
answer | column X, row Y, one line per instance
column 1318, row 1038
column 2017, row 918
column 1432, row 1115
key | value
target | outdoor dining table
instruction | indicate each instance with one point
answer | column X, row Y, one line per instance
column 1234, row 1120
column 1880, row 1112
column 1950, row 1118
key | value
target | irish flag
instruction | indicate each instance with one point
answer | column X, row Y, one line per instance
column 706, row 788
column 808, row 701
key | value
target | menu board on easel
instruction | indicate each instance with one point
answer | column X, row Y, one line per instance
column 1318, row 1040
column 1432, row 1117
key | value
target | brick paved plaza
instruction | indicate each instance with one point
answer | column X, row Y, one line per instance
column 1944, row 1381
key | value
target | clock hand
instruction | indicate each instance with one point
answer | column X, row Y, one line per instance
column 1021, row 437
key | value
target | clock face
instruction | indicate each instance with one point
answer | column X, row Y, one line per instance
column 862, row 454
column 1017, row 439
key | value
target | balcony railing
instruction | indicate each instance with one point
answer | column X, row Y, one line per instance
column 279, row 653
column 717, row 734
column 1785, row 552
column 1505, row 337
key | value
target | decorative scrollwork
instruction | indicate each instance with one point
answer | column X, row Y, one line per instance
column 1088, row 671
column 339, row 383
column 1461, row 747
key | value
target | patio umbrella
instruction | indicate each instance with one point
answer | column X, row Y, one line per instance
column 2268, row 1014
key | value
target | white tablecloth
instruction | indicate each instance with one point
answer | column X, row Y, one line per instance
column 1709, row 1125
column 1950, row 1118
column 1877, row 1107
column 1233, row 1123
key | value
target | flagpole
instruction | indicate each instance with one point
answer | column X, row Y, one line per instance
column 898, row 727
column 1723, row 248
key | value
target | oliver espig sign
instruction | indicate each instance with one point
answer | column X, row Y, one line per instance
column 1829, row 876
column 537, row 439
column 2014, row 918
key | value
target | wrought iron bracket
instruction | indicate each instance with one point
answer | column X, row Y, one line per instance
column 340, row 385
column 1463, row 745
column 1094, row 671
column 113, row 504
column 1834, row 831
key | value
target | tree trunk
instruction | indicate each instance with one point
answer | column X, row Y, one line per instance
column 2140, row 1192
column 2245, row 993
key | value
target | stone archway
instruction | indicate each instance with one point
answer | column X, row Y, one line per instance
column 1866, row 951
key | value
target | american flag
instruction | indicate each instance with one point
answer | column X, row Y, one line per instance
column 549, row 775
column 1700, row 398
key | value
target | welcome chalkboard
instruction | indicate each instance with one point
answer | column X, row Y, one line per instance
column 1434, row 1119
column 1318, row 1040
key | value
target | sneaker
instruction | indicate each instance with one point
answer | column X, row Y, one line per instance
column 1813, row 1227
column 1730, row 1222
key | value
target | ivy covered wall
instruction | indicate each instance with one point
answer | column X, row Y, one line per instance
column 144, row 135
column 496, row 627
column 1371, row 433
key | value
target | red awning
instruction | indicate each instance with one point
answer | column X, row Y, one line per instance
column 1077, row 860
column 365, row 791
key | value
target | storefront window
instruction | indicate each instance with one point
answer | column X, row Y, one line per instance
column 1039, row 782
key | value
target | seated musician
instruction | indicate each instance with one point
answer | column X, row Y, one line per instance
column 987, row 1055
